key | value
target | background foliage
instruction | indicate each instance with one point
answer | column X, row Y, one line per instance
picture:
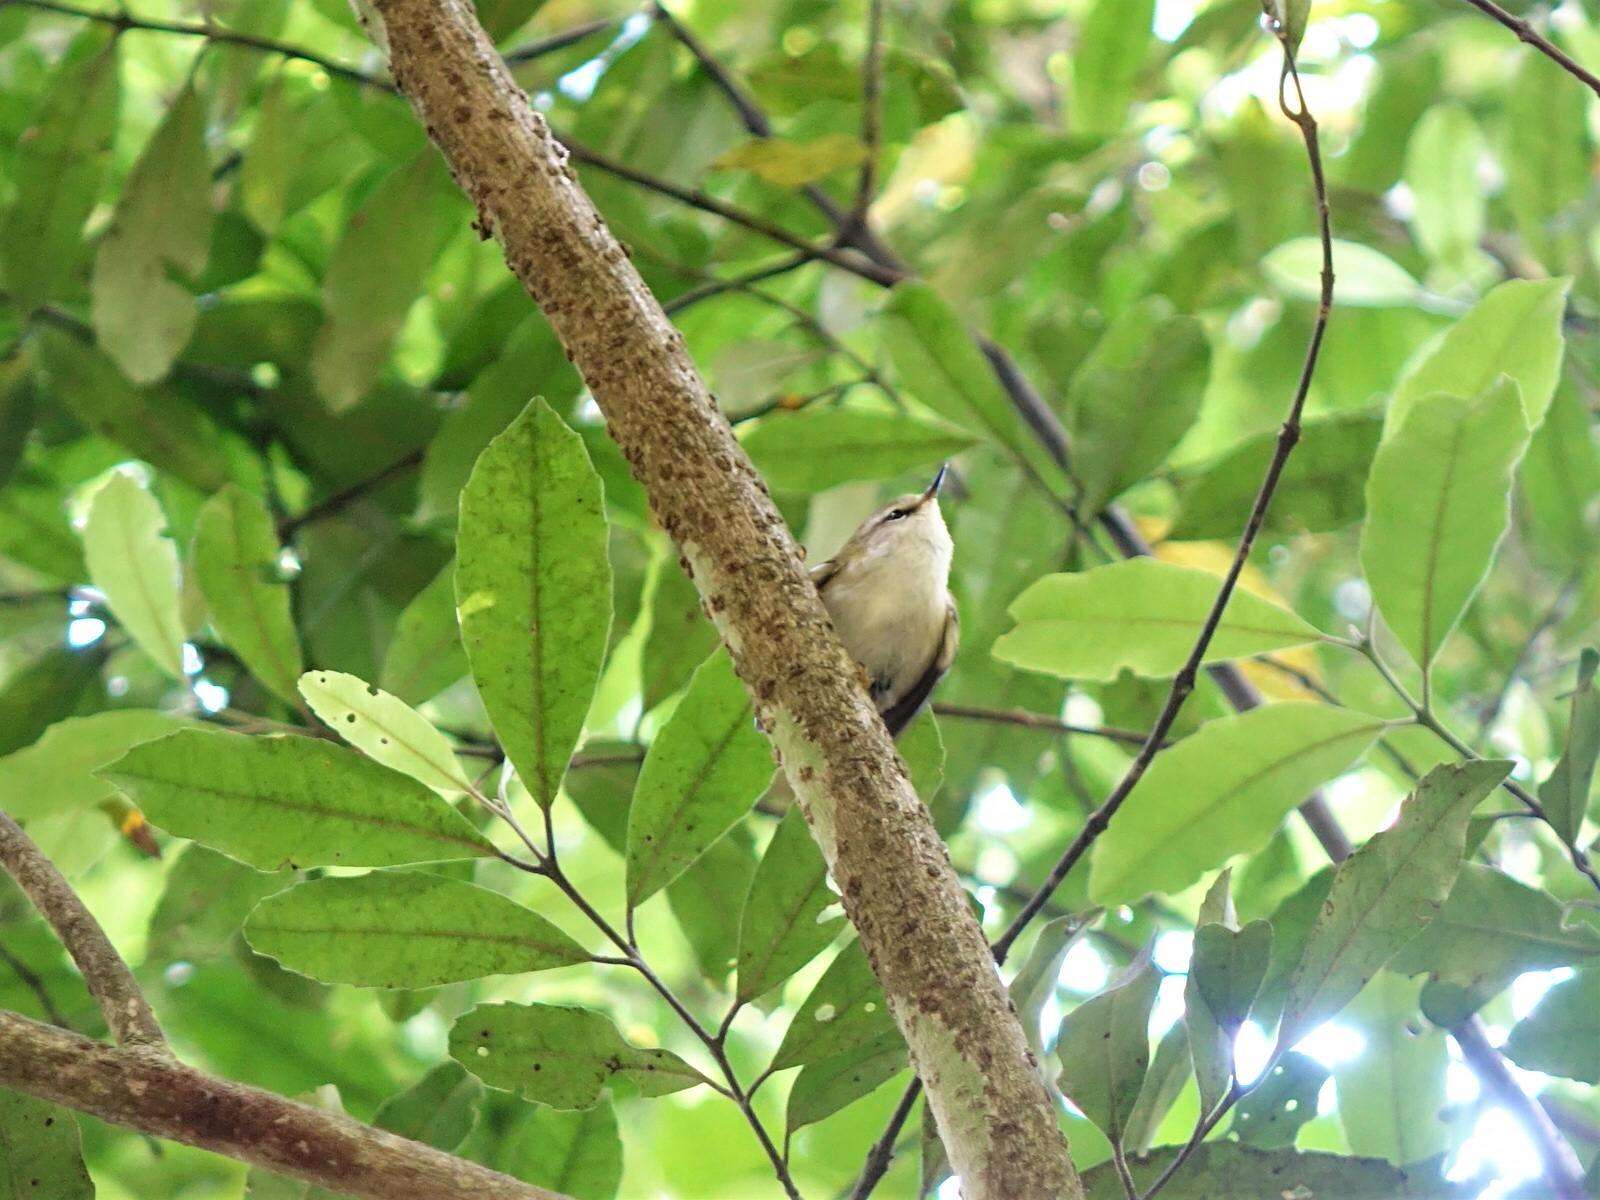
column 258, row 365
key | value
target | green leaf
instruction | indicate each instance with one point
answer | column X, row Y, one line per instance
column 680, row 636
column 1438, row 503
column 1558, row 476
column 793, row 164
column 1112, row 42
column 204, row 903
column 235, row 564
column 845, row 1011
column 1222, row 791
column 940, row 366
column 1442, row 172
column 1322, row 488
column 1363, row 277
column 374, row 275
column 1210, row 1045
column 823, row 1088
column 1545, row 155
column 385, row 729
column 1562, row 1035
column 1104, row 1048
column 153, row 423
column 1134, row 398
column 1565, row 794
column 1289, row 19
column 1515, row 331
column 302, row 802
column 576, row 1154
column 40, row 1153
column 56, row 170
column 562, row 1057
column 706, row 768
column 783, row 926
column 818, row 448
column 425, row 656
column 136, row 568
column 708, row 899
column 1224, row 1170
column 57, row 773
column 1139, row 615
column 158, row 240
column 1491, row 929
column 439, row 1110
column 1163, row 1084
column 1228, row 967
column 1385, row 894
column 1271, row 1114
column 408, row 929
column 533, row 590
column 1391, row 1094
column 1034, row 985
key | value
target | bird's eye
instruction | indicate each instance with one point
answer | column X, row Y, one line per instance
column 898, row 514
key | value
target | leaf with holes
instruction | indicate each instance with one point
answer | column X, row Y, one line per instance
column 558, row 1056
column 406, row 929
column 844, row 1011
column 385, row 729
column 706, row 768
column 41, row 1157
column 291, row 801
column 533, row 591
column 1271, row 1114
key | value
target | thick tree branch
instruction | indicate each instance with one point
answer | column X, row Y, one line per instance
column 112, row 985
column 160, row 1096
column 898, row 886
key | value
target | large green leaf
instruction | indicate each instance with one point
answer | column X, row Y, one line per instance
column 783, row 927
column 1363, row 277
column 533, row 590
column 40, row 1154
column 1546, row 155
column 235, row 564
column 1562, row 1035
column 1491, row 929
column 136, row 568
column 818, row 448
column 1034, row 985
column 1321, row 489
column 1228, row 1171
column 1134, row 398
column 823, row 1088
column 303, row 802
column 1559, row 474
column 1513, row 331
column 562, row 1057
column 1221, row 792
column 1228, row 966
column 57, row 773
column 425, row 655
column 706, row 768
column 1385, row 894
column 575, row 1153
column 1112, row 42
column 1271, row 1113
column 939, row 366
column 845, row 1011
column 1391, row 1094
column 1104, row 1049
column 439, row 1110
column 708, row 899
column 157, row 242
column 1140, row 615
column 1442, row 172
column 1565, row 794
column 1438, row 503
column 404, row 929
column 56, row 171
column 385, row 729
column 204, row 903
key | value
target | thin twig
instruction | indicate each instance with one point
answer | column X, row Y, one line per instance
column 347, row 496
column 1539, row 42
column 556, row 41
column 30, row 979
column 1033, row 720
column 871, row 114
column 112, row 985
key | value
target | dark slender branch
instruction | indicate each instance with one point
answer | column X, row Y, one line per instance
column 1539, row 42
column 716, row 287
column 29, row 978
column 556, row 41
column 126, row 1011
column 43, row 596
column 1033, row 720
column 882, row 1152
column 212, row 33
column 871, row 113
column 347, row 496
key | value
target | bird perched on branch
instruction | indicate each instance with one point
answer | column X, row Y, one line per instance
column 888, row 593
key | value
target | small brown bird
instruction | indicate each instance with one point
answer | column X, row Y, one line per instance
column 888, row 593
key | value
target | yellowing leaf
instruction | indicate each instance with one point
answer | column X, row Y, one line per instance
column 794, row 164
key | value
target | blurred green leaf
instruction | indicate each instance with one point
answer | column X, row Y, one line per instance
column 425, row 655
column 204, row 903
column 1442, row 173
column 533, row 591
column 136, row 568
column 1564, row 795
column 438, row 1110
column 1562, row 1035
column 1112, row 42
column 57, row 773
column 792, row 164
column 577, row 1154
column 1399, row 1074
column 1271, row 1114
column 1363, row 277
column 818, row 448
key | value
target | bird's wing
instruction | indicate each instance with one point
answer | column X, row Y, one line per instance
column 898, row 715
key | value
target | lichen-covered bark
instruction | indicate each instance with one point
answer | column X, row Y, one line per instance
column 146, row 1090
column 992, row 1110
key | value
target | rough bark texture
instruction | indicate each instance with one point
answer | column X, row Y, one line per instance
column 151, row 1092
column 112, row 985
column 992, row 1109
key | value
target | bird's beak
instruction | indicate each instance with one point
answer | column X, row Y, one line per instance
column 933, row 488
